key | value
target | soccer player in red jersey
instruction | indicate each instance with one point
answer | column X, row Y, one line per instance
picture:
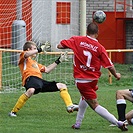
column 89, row 57
column 32, row 78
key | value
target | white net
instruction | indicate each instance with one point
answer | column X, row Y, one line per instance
column 11, row 77
column 39, row 21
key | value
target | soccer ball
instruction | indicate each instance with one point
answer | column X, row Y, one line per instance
column 99, row 16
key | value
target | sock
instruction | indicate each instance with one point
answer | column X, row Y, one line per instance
column 66, row 97
column 121, row 108
column 106, row 115
column 82, row 108
column 21, row 101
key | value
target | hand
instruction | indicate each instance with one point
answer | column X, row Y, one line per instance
column 118, row 76
column 44, row 47
column 47, row 45
column 63, row 57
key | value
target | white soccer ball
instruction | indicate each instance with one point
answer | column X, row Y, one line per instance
column 99, row 16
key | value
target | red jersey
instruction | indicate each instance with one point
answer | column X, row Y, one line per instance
column 89, row 56
column 29, row 67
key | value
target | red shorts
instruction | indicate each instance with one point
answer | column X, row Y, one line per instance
column 88, row 90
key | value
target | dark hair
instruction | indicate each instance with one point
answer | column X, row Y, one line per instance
column 28, row 45
column 92, row 29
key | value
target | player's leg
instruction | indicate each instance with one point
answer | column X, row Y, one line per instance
column 121, row 97
column 67, row 98
column 30, row 85
column 80, row 114
column 129, row 117
column 21, row 101
column 103, row 112
column 88, row 90
column 52, row 86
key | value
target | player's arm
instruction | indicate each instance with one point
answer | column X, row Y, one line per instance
column 50, row 67
column 42, row 48
column 26, row 54
column 63, row 57
column 36, row 50
column 107, row 63
column 30, row 53
column 113, row 72
column 59, row 46
column 67, row 44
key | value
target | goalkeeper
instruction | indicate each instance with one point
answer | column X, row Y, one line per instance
column 32, row 77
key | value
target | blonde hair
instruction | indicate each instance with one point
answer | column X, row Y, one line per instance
column 28, row 45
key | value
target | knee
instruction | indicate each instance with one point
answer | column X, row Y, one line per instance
column 61, row 86
column 92, row 103
column 129, row 117
column 30, row 92
column 118, row 94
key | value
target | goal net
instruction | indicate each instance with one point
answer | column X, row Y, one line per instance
column 11, row 77
column 39, row 21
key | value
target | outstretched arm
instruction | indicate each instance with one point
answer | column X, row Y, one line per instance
column 50, row 67
column 63, row 57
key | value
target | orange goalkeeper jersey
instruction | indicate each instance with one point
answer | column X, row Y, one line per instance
column 29, row 67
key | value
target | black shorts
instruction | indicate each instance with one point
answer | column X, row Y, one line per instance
column 40, row 85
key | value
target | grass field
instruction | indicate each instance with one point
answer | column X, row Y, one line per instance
column 46, row 113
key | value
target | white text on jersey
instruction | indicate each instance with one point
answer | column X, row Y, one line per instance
column 89, row 46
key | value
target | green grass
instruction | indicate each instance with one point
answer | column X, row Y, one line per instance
column 46, row 113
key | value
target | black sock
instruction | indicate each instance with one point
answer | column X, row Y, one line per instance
column 121, row 112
